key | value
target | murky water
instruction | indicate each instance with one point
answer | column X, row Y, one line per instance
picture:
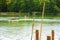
column 22, row 31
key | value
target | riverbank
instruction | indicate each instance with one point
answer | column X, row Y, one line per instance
column 26, row 19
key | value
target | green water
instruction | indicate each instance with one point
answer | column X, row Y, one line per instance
column 22, row 30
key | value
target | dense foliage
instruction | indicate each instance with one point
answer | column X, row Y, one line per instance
column 52, row 6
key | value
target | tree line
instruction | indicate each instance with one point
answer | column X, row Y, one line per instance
column 52, row 6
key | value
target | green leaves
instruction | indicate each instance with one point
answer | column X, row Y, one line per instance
column 52, row 6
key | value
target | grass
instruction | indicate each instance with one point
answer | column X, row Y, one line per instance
column 22, row 23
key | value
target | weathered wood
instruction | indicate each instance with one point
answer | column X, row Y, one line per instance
column 52, row 34
column 59, row 38
column 48, row 37
column 37, row 34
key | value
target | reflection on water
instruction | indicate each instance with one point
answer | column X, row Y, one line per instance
column 22, row 31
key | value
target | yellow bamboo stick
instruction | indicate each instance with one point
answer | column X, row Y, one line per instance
column 32, row 28
column 42, row 20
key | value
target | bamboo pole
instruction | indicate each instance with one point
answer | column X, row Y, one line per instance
column 48, row 37
column 52, row 34
column 42, row 19
column 37, row 34
column 32, row 28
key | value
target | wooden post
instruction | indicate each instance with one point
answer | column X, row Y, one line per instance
column 37, row 34
column 59, row 38
column 48, row 37
column 52, row 34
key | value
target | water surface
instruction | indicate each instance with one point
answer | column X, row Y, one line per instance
column 22, row 30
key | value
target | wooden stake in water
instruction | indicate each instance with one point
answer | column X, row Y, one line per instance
column 42, row 20
column 48, row 37
column 37, row 34
column 52, row 34
column 59, row 38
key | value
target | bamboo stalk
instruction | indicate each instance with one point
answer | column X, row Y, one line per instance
column 32, row 28
column 42, row 19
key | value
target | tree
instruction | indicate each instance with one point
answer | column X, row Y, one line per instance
column 55, row 8
column 3, row 6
